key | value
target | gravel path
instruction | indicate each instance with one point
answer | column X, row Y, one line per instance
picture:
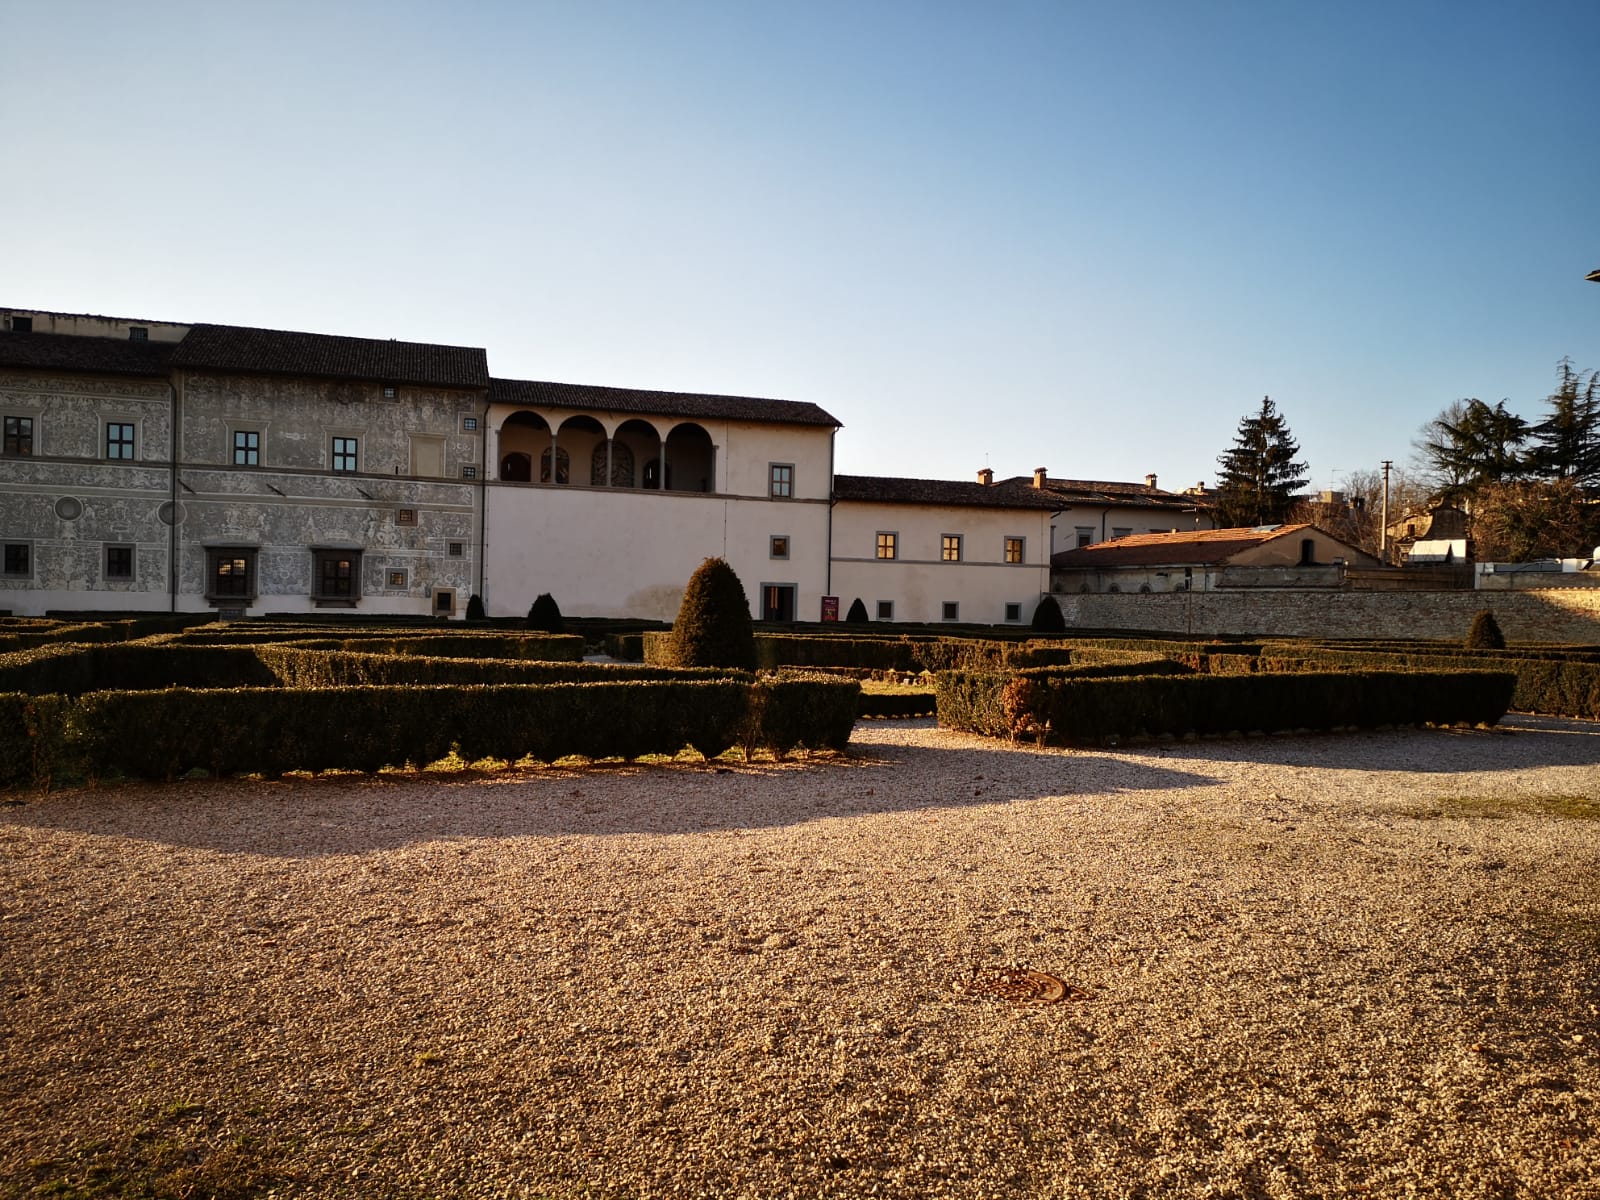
column 1317, row 966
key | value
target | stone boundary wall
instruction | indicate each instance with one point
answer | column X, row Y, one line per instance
column 1551, row 615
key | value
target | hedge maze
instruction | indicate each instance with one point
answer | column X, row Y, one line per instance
column 159, row 697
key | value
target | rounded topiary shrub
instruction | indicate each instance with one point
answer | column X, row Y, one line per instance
column 1485, row 633
column 475, row 608
column 713, row 625
column 1047, row 616
column 857, row 614
column 545, row 614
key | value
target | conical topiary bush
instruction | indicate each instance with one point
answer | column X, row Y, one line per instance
column 1047, row 616
column 475, row 608
column 1485, row 633
column 713, row 625
column 545, row 614
column 857, row 614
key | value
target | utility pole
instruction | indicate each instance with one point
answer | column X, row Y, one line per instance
column 1383, row 534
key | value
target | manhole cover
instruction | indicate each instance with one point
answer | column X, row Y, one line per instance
column 1019, row 985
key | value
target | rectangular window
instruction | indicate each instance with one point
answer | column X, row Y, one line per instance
column 1013, row 612
column 469, row 424
column 950, row 547
column 1085, row 536
column 19, row 435
column 119, row 562
column 138, row 333
column 119, row 439
column 336, row 575
column 456, row 549
column 887, row 543
column 390, row 392
column 21, row 324
column 246, row 448
column 778, row 547
column 780, row 481
column 951, row 610
column 469, row 472
column 344, row 454
column 405, row 516
column 19, row 559
column 885, row 610
column 1015, row 547
column 397, row 580
column 1116, row 533
column 231, row 573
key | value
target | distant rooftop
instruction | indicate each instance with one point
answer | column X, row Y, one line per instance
column 886, row 489
column 695, row 405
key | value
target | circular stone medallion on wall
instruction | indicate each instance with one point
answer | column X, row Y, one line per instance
column 69, row 508
column 166, row 510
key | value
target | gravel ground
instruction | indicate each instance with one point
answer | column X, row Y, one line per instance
column 1316, row 966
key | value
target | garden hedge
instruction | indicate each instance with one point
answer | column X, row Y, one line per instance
column 1061, row 709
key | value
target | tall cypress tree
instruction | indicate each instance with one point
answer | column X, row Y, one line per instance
column 1260, row 474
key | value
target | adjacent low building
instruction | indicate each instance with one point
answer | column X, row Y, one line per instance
column 1274, row 556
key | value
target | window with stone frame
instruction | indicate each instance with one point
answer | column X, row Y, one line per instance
column 119, row 562
column 18, row 559
column 19, row 436
column 1016, row 549
column 346, row 454
column 888, row 544
column 247, row 447
column 231, row 573
column 336, row 575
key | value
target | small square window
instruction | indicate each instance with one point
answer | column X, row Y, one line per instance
column 335, row 574
column 119, row 562
column 456, row 549
column 1015, row 549
column 19, row 435
column 405, row 516
column 1013, row 612
column 950, row 547
column 469, row 472
column 1122, row 533
column 21, row 324
column 396, row 580
column 138, row 333
column 231, row 574
column 18, row 559
column 951, row 610
column 779, row 547
column 119, row 439
column 469, row 424
column 888, row 544
column 780, row 481
column 885, row 610
column 246, row 447
column 345, row 454
column 390, row 391
column 1085, row 536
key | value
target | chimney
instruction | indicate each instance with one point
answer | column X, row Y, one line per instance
column 1040, row 474
column 1150, row 481
column 985, row 476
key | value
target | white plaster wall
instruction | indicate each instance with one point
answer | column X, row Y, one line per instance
column 1104, row 520
column 918, row 581
column 625, row 552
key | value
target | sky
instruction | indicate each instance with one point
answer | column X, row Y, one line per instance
column 1083, row 236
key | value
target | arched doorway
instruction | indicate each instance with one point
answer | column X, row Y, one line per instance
column 691, row 459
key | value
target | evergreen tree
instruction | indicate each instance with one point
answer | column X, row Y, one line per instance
column 1259, row 475
column 1047, row 616
column 1470, row 444
column 475, row 608
column 545, row 614
column 713, row 627
column 1485, row 632
column 857, row 614
column 1566, row 444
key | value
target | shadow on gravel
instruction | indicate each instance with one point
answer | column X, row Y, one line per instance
column 1519, row 743
column 354, row 814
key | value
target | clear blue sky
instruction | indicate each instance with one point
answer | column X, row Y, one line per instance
column 1083, row 236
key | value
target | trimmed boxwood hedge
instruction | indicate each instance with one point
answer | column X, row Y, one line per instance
column 1065, row 710
column 898, row 653
column 975, row 701
column 162, row 734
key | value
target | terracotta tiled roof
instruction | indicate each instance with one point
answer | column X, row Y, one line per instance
column 1201, row 547
column 649, row 403
column 885, row 489
column 65, row 352
column 279, row 352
